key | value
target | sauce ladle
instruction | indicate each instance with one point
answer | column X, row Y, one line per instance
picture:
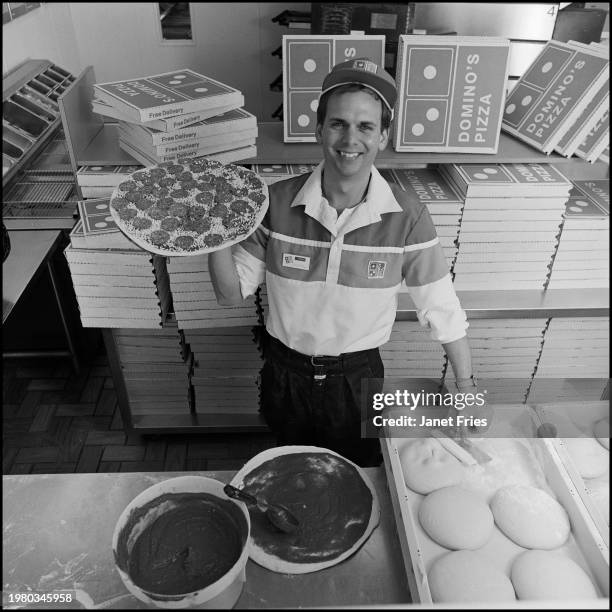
column 278, row 515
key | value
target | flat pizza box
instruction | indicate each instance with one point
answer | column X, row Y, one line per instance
column 451, row 91
column 165, row 125
column 166, row 95
column 508, row 180
column 553, row 93
column 235, row 120
column 103, row 176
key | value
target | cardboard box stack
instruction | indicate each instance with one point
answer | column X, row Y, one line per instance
column 411, row 353
column 510, row 223
column 271, row 173
column 575, row 360
column 226, row 370
column 156, row 366
column 117, row 284
column 445, row 204
column 504, row 356
column 561, row 102
column 100, row 181
column 169, row 116
column 583, row 255
column 194, row 301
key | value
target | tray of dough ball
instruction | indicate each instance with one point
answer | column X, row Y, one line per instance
column 583, row 444
column 502, row 533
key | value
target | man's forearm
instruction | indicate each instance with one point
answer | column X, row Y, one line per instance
column 224, row 277
column 460, row 356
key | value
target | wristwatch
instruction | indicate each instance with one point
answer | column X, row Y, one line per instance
column 463, row 384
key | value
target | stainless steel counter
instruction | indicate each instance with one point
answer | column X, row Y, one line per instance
column 57, row 532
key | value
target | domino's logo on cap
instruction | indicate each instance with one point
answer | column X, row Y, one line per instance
column 364, row 64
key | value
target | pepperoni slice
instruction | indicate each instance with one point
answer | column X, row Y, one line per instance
column 170, row 224
column 213, row 240
column 157, row 213
column 142, row 223
column 159, row 237
column 240, row 206
column 184, row 242
column 178, row 210
column 127, row 213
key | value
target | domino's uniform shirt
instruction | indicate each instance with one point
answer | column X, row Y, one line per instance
column 333, row 280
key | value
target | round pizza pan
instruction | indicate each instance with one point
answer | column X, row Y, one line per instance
column 275, row 563
column 147, row 246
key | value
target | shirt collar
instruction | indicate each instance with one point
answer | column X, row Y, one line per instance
column 379, row 198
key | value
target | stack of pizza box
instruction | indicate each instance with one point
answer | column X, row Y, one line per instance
column 156, row 366
column 194, row 301
column 510, row 223
column 174, row 115
column 504, row 356
column 583, row 256
column 100, row 181
column 271, row 173
column 443, row 201
column 561, row 103
column 226, row 365
column 411, row 353
column 117, row 283
column 575, row 360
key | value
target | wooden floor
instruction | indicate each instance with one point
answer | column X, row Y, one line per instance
column 57, row 422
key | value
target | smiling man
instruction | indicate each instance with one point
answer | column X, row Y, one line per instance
column 333, row 250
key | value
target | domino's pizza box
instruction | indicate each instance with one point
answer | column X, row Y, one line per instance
column 307, row 59
column 451, row 91
column 553, row 93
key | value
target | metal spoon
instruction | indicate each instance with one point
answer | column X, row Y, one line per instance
column 278, row 515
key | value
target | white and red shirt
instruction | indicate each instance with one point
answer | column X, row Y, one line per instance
column 333, row 279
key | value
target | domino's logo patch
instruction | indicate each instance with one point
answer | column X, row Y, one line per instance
column 376, row 269
column 365, row 65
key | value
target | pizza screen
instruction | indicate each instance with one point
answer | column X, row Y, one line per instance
column 189, row 207
column 326, row 494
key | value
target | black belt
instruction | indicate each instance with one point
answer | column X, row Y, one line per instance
column 317, row 366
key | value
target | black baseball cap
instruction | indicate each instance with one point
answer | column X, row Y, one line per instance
column 363, row 71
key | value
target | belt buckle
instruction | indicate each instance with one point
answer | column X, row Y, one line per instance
column 318, row 375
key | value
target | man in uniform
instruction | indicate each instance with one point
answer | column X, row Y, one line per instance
column 333, row 250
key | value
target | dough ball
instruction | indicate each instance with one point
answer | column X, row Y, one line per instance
column 589, row 457
column 464, row 576
column 540, row 574
column 428, row 466
column 530, row 517
column 456, row 518
column 602, row 432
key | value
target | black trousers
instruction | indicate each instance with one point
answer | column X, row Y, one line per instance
column 319, row 401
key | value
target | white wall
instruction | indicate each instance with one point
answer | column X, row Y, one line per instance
column 232, row 43
column 44, row 33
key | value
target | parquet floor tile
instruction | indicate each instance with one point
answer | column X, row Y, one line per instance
column 57, row 422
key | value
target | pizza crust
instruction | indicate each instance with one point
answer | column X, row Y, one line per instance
column 275, row 563
column 169, row 202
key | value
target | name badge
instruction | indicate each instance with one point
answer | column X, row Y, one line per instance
column 296, row 261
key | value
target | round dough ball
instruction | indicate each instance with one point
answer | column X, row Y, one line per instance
column 428, row 466
column 456, row 518
column 464, row 576
column 530, row 517
column 589, row 457
column 540, row 574
column 602, row 432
